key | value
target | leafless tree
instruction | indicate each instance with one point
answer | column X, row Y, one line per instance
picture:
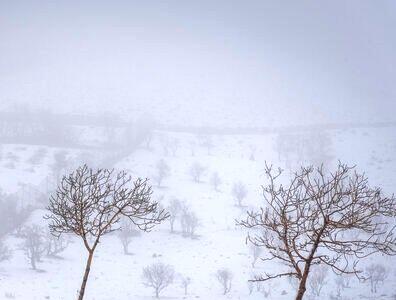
column 185, row 282
column 188, row 221
column 317, row 280
column 259, row 286
column 376, row 274
column 193, row 145
column 174, row 209
column 5, row 252
column 308, row 222
column 60, row 165
column 12, row 215
column 343, row 281
column 256, row 252
column 90, row 203
column 174, row 146
column 239, row 192
column 251, row 286
column 166, row 144
column 147, row 141
column 127, row 231
column 158, row 276
column 145, row 127
column 265, row 290
column 311, row 147
column 196, row 171
column 253, row 150
column 207, row 142
column 215, row 181
column 224, row 276
column 34, row 244
column 56, row 244
column 163, row 171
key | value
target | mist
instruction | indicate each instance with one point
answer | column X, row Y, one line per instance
column 197, row 149
column 202, row 61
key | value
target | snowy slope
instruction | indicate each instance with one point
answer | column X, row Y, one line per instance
column 219, row 243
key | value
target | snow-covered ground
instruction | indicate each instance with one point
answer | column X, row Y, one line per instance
column 218, row 243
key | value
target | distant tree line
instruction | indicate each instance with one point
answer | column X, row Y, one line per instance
column 49, row 128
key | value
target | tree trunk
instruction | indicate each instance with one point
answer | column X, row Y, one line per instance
column 301, row 289
column 85, row 278
column 33, row 262
column 125, row 247
column 303, row 283
column 171, row 225
column 156, row 293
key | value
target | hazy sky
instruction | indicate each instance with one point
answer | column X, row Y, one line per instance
column 332, row 60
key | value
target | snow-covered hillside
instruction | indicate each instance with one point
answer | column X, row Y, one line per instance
column 217, row 243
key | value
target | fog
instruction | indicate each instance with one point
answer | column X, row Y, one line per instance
column 199, row 61
column 197, row 150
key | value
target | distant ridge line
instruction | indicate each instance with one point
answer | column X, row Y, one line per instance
column 267, row 130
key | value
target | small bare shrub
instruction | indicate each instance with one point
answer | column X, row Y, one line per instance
column 239, row 191
column 256, row 252
column 163, row 171
column 5, row 252
column 34, row 244
column 215, row 181
column 224, row 276
column 127, row 231
column 189, row 222
column 185, row 282
column 56, row 244
column 174, row 210
column 318, row 279
column 376, row 274
column 158, row 276
column 196, row 171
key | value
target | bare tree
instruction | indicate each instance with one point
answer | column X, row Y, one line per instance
column 317, row 279
column 174, row 146
column 311, row 147
column 256, row 252
column 127, row 231
column 166, row 144
column 147, row 141
column 207, row 142
column 253, row 150
column 224, row 276
column 185, row 282
column 163, row 171
column 193, row 145
column 343, row 281
column 60, row 165
column 196, row 171
column 91, row 203
column 239, row 192
column 250, row 286
column 56, row 244
column 215, row 181
column 145, row 126
column 34, row 244
column 376, row 274
column 5, row 252
column 188, row 222
column 307, row 222
column 158, row 276
column 265, row 289
column 174, row 209
column 12, row 215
